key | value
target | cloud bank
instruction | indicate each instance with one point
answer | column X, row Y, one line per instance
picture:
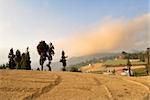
column 110, row 35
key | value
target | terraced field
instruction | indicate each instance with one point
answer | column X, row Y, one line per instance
column 38, row 85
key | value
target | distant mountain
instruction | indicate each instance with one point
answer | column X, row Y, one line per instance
column 77, row 60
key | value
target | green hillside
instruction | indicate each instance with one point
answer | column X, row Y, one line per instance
column 122, row 62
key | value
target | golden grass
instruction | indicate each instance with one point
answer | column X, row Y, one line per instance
column 26, row 85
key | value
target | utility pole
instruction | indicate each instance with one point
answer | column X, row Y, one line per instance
column 148, row 62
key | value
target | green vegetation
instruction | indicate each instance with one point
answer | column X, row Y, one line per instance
column 73, row 68
column 115, row 62
column 122, row 62
column 139, row 72
column 138, row 55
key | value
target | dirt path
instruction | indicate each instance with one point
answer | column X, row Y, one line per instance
column 146, row 96
column 74, row 88
column 108, row 92
column 34, row 85
column 144, row 81
column 45, row 89
column 96, row 87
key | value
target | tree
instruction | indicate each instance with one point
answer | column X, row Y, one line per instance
column 142, row 57
column 23, row 62
column 11, row 57
column 3, row 66
column 28, row 61
column 129, row 65
column 63, row 60
column 128, row 56
column 18, row 59
column 42, row 49
column 45, row 51
column 38, row 69
column 125, row 54
column 74, row 69
column 50, row 54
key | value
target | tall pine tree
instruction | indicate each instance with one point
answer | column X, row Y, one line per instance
column 11, row 57
column 28, row 67
column 63, row 60
column 18, row 59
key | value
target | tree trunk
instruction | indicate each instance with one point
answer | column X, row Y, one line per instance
column 48, row 65
column 49, row 68
column 42, row 67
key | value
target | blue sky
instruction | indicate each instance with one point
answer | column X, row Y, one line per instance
column 25, row 22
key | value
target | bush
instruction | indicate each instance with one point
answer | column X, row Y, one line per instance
column 63, row 69
column 74, row 69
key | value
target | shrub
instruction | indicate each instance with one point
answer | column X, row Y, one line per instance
column 74, row 69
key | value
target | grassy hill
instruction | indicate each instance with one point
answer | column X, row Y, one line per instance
column 122, row 62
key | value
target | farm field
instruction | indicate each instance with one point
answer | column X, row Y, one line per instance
column 138, row 70
column 122, row 62
column 38, row 85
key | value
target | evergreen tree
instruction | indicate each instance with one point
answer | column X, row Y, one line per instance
column 11, row 57
column 28, row 67
column 63, row 60
column 23, row 62
column 18, row 59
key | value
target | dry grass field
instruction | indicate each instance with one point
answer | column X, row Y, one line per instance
column 93, row 67
column 38, row 85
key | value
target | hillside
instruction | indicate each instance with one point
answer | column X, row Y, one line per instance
column 26, row 85
column 78, row 61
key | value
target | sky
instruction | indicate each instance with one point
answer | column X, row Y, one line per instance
column 80, row 27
